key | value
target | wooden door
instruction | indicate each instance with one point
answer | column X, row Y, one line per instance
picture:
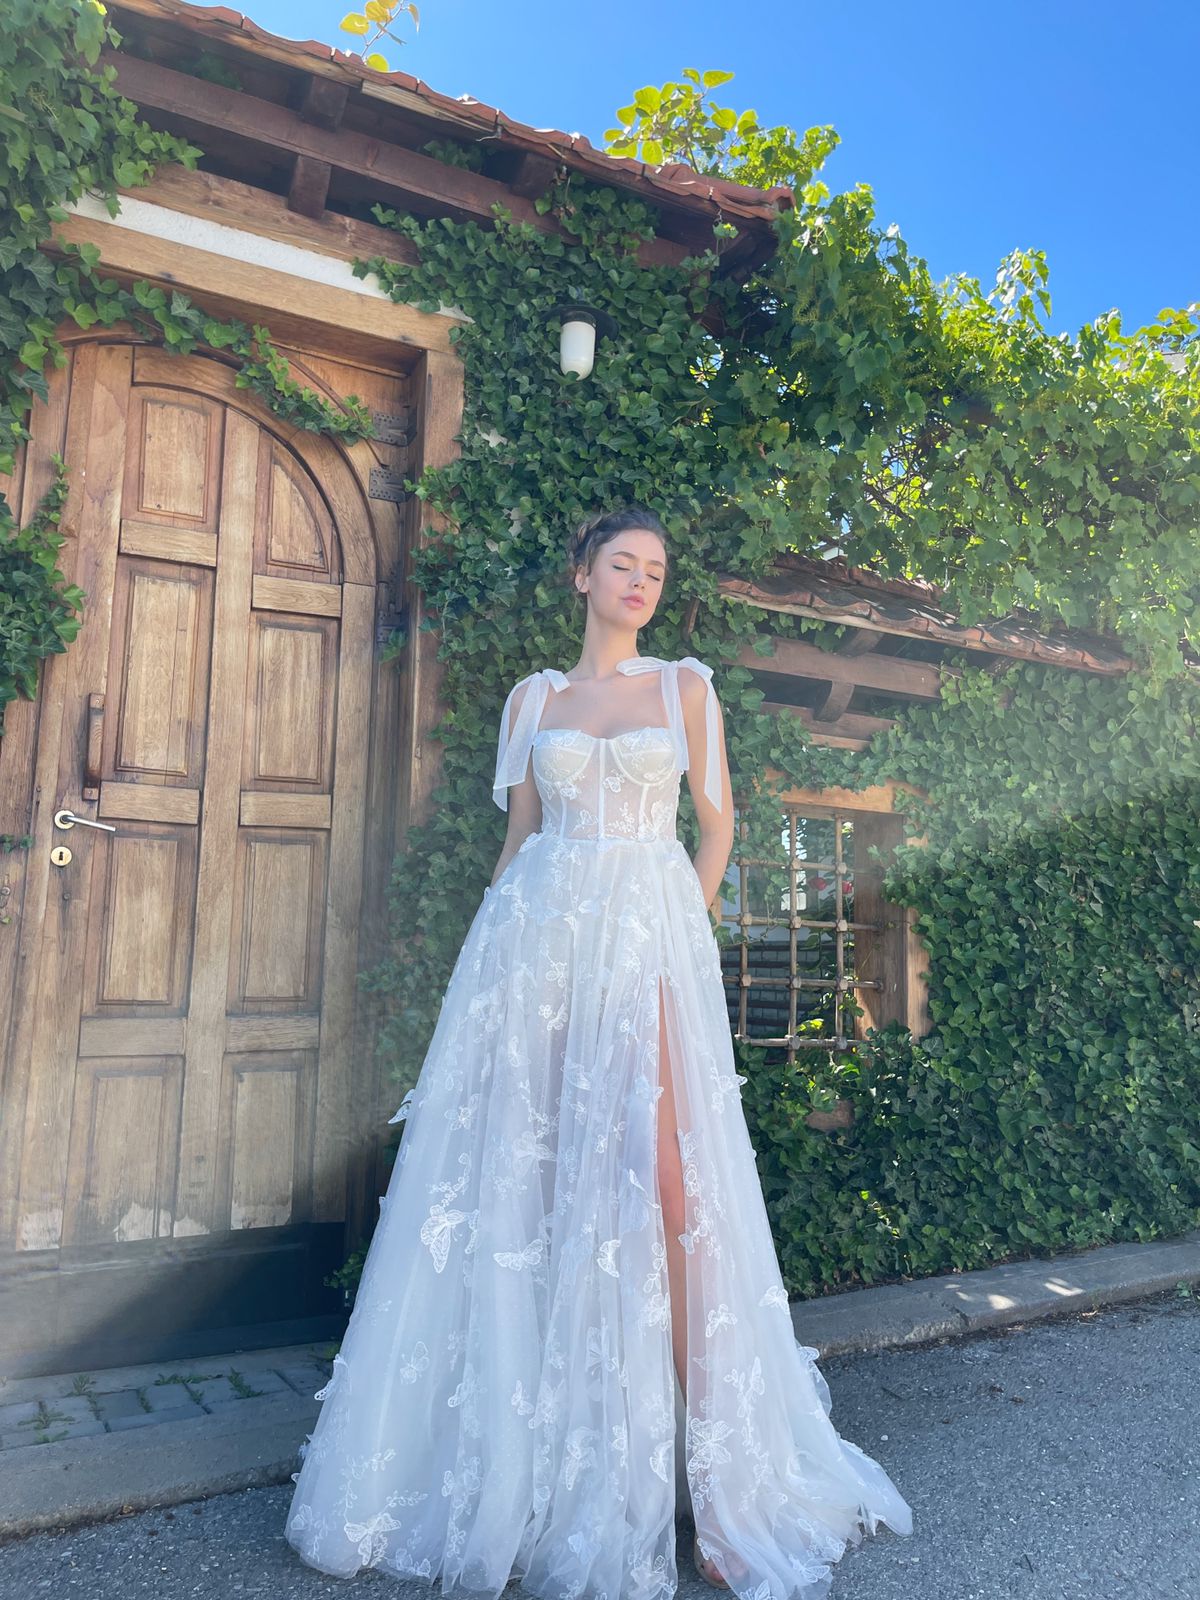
column 176, row 1165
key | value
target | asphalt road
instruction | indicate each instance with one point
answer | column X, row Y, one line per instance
column 1055, row 1462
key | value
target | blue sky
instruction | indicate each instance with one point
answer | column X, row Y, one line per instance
column 1059, row 126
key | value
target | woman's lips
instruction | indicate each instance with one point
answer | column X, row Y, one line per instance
column 635, row 601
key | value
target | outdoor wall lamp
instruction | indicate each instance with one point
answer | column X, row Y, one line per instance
column 581, row 324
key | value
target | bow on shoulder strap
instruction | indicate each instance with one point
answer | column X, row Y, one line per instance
column 712, row 738
column 512, row 751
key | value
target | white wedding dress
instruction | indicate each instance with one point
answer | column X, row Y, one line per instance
column 504, row 1404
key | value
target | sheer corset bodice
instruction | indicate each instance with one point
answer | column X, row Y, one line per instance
column 614, row 786
column 625, row 787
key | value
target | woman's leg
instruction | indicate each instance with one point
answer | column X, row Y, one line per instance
column 672, row 1199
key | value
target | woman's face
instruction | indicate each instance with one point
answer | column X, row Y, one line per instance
column 626, row 578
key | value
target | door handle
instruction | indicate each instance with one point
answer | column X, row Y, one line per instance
column 68, row 819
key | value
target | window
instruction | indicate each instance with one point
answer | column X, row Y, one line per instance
column 815, row 955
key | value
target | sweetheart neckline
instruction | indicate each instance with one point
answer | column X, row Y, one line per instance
column 605, row 738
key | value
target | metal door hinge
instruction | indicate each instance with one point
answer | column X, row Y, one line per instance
column 388, row 622
column 391, row 427
column 384, row 484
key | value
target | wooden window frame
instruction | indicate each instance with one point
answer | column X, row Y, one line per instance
column 889, row 981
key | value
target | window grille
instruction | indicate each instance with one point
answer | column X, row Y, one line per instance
column 790, row 969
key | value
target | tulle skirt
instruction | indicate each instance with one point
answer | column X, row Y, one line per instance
column 505, row 1404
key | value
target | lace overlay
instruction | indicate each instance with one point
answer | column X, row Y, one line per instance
column 504, row 1403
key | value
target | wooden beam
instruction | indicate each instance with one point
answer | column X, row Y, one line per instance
column 839, row 695
column 214, row 23
column 292, row 306
column 532, row 175
column 853, row 730
column 324, row 102
column 751, row 250
column 243, row 205
column 858, row 643
column 437, row 390
column 880, row 798
column 309, row 187
column 423, row 185
column 837, row 698
column 793, row 658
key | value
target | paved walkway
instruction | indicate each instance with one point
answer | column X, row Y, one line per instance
column 82, row 1404
column 75, row 1448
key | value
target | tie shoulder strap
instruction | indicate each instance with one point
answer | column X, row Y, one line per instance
column 712, row 734
column 670, row 688
column 513, row 747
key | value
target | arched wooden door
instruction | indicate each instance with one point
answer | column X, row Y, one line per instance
column 184, row 1028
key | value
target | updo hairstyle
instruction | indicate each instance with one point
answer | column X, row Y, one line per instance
column 596, row 531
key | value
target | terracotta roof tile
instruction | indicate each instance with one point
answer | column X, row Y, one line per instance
column 672, row 182
column 839, row 592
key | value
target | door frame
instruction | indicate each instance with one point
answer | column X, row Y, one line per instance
column 261, row 281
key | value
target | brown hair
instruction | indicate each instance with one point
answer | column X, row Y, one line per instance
column 605, row 525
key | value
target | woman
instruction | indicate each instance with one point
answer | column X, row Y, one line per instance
column 573, row 1270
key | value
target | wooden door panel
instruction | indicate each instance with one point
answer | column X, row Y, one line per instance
column 155, row 713
column 148, row 805
column 173, row 468
column 267, row 1177
column 120, row 1187
column 292, row 693
column 293, row 594
column 295, row 537
column 278, row 923
column 139, row 953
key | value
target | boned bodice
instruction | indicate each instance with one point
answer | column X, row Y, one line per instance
column 622, row 787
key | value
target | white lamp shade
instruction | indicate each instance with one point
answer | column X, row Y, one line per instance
column 577, row 346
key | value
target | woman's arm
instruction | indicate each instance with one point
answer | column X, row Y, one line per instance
column 716, row 827
column 524, row 803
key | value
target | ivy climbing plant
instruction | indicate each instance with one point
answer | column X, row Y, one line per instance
column 67, row 134
column 930, row 430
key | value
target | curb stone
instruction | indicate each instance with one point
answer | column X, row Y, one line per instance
column 894, row 1315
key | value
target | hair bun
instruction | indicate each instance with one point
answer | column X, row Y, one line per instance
column 597, row 529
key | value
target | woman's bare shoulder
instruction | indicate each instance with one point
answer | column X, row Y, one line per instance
column 693, row 684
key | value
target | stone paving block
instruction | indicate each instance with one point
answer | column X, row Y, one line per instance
column 11, row 1416
column 104, row 1380
column 75, row 1408
column 187, row 1412
column 169, row 1396
column 306, row 1379
column 214, row 1389
column 54, row 1432
column 266, row 1382
column 120, row 1403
